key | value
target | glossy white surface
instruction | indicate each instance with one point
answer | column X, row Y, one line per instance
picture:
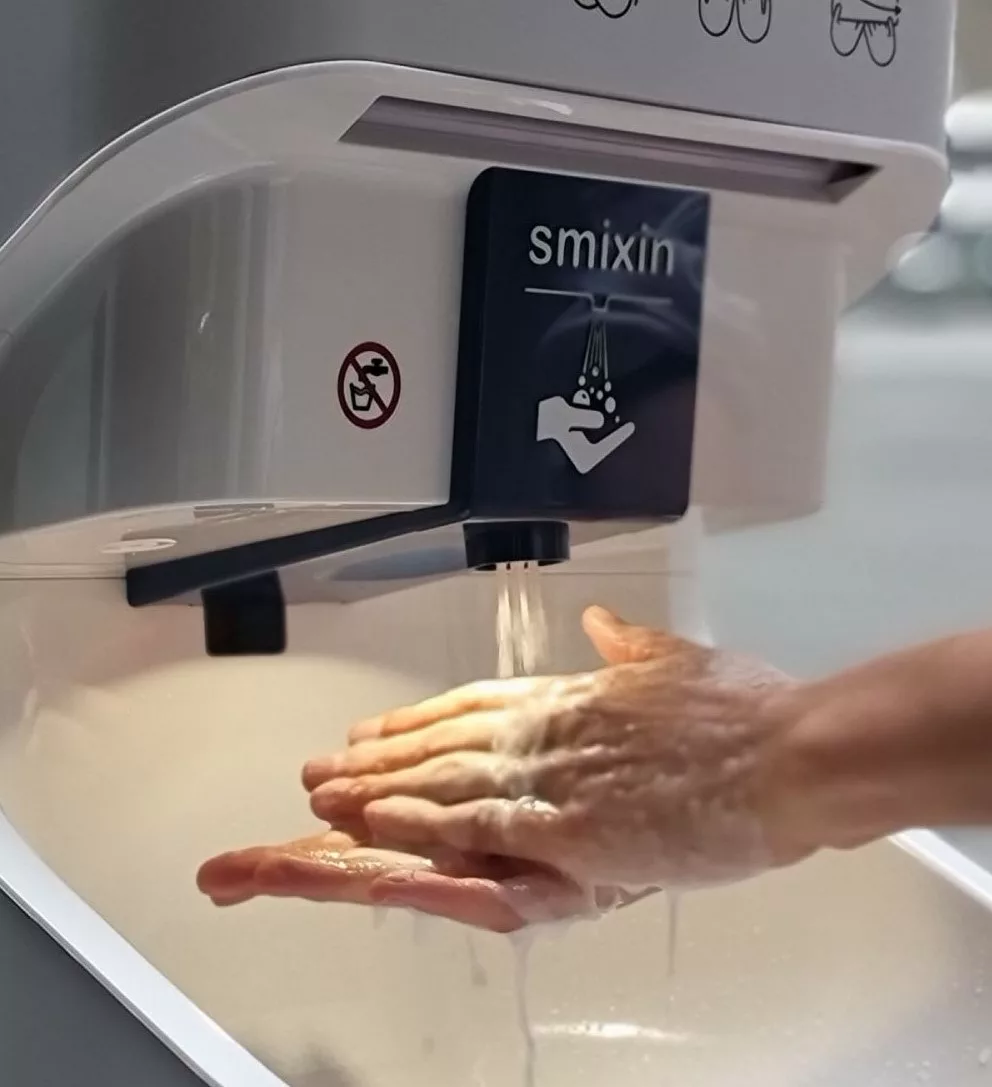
column 229, row 371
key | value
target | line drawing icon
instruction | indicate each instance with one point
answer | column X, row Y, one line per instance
column 591, row 405
column 369, row 386
column 612, row 9
column 874, row 23
column 753, row 18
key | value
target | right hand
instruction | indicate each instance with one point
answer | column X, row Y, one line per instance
column 666, row 768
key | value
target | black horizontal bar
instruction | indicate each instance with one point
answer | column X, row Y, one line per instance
column 158, row 582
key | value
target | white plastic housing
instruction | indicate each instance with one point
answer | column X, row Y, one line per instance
column 240, row 247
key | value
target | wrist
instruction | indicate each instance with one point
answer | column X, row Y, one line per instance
column 844, row 778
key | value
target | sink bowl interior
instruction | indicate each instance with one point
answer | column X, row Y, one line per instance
column 127, row 757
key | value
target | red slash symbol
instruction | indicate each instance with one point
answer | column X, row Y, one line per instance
column 369, row 386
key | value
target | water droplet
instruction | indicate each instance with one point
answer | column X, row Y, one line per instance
column 611, row 404
column 609, row 386
column 673, row 930
column 419, row 924
column 477, row 972
column 522, row 945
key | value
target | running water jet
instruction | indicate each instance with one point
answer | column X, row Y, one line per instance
column 522, row 649
column 521, row 622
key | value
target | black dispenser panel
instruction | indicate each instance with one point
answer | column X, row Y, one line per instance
column 579, row 354
column 578, row 364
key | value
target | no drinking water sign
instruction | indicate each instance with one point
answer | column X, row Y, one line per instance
column 369, row 386
column 583, row 299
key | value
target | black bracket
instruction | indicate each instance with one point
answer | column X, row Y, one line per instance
column 245, row 618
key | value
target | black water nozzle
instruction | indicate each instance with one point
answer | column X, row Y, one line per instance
column 491, row 544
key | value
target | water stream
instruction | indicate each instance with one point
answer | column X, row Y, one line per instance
column 674, row 904
column 522, row 943
column 522, row 650
column 521, row 622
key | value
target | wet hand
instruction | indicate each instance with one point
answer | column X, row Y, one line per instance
column 495, row 894
column 666, row 768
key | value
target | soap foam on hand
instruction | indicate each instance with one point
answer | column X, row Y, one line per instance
column 495, row 893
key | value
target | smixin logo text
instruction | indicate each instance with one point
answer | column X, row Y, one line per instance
column 606, row 251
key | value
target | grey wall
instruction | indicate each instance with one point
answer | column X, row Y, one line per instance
column 902, row 551
column 60, row 1028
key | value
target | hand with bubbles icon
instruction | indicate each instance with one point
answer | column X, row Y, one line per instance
column 568, row 423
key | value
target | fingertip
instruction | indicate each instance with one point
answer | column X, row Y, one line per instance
column 318, row 772
column 228, row 878
column 596, row 617
column 620, row 642
column 338, row 799
column 226, row 901
column 608, row 634
column 310, row 776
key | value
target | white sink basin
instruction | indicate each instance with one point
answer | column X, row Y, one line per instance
column 127, row 758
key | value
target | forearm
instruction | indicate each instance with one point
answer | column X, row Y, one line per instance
column 904, row 741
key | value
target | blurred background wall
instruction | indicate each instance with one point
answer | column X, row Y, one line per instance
column 902, row 551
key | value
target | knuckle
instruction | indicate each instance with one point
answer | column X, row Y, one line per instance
column 433, row 745
column 451, row 764
column 474, row 692
column 488, row 826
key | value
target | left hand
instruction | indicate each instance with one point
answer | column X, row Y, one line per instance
column 487, row 893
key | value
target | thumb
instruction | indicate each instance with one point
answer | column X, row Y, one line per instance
column 618, row 642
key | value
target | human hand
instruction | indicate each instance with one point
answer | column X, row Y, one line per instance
column 492, row 893
column 666, row 768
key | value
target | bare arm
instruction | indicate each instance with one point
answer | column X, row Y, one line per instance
column 677, row 764
column 900, row 742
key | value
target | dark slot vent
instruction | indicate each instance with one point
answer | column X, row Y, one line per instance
column 426, row 128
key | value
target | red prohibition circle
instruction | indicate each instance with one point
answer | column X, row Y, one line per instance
column 351, row 376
